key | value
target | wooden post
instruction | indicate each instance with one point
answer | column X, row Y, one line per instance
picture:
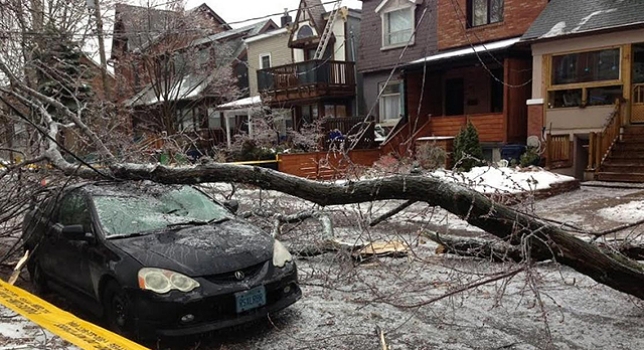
column 549, row 151
column 591, row 151
column 598, row 153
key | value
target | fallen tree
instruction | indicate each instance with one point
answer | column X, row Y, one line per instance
column 533, row 236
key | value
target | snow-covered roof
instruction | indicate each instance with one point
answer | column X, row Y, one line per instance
column 266, row 35
column 566, row 17
column 247, row 102
column 491, row 46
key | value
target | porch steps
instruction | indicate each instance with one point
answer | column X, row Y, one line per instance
column 625, row 163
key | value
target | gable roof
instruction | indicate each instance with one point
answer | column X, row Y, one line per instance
column 316, row 10
column 138, row 26
column 384, row 3
column 567, row 17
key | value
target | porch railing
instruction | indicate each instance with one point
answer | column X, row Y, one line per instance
column 558, row 151
column 600, row 144
column 307, row 73
column 353, row 131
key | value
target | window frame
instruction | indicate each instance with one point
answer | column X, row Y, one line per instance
column 384, row 16
column 583, row 86
column 383, row 85
column 261, row 60
column 470, row 14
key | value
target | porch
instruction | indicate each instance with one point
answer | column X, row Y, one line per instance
column 307, row 80
column 489, row 93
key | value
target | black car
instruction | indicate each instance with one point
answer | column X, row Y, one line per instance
column 156, row 260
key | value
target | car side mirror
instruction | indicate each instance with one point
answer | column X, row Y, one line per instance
column 232, row 205
column 76, row 233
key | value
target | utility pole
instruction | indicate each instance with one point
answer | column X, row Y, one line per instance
column 94, row 5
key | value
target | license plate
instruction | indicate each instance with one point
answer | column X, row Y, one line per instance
column 250, row 299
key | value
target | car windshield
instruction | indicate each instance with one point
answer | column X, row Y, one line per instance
column 124, row 215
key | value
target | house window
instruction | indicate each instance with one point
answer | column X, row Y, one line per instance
column 583, row 67
column 482, row 12
column 391, row 102
column 398, row 26
column 264, row 61
column 583, row 79
column 304, row 32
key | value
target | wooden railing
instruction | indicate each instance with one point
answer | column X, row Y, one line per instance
column 353, row 131
column 307, row 73
column 600, row 144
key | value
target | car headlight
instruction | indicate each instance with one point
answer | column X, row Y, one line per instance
column 280, row 254
column 162, row 281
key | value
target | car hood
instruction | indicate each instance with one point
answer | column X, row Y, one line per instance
column 201, row 250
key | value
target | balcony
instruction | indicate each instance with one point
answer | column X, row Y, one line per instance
column 307, row 80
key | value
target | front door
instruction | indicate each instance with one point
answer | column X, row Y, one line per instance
column 637, row 93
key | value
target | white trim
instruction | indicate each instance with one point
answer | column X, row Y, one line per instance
column 384, row 3
column 495, row 45
column 261, row 62
column 534, row 102
column 383, row 25
column 270, row 34
column 383, row 85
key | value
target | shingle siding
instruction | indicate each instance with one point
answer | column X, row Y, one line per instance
column 370, row 56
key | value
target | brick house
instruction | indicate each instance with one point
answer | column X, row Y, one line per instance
column 587, row 101
column 474, row 71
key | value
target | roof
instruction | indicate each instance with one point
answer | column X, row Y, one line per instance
column 487, row 47
column 138, row 25
column 270, row 34
column 229, row 47
column 567, row 17
column 141, row 25
column 247, row 102
column 247, row 31
column 316, row 8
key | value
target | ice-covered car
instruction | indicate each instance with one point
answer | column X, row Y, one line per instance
column 156, row 260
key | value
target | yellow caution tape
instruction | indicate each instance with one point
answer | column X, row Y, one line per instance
column 69, row 327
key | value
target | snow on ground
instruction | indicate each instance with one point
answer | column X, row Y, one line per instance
column 627, row 212
column 504, row 180
column 343, row 302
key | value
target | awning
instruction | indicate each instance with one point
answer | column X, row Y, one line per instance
column 248, row 102
column 471, row 50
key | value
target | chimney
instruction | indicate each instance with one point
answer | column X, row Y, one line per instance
column 286, row 18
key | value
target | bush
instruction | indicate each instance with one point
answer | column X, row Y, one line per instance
column 467, row 149
column 530, row 157
column 430, row 156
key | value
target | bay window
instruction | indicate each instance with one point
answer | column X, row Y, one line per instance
column 588, row 78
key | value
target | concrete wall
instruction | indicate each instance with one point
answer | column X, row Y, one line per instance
column 577, row 120
column 276, row 45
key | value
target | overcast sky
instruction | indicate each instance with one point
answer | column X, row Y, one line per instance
column 238, row 10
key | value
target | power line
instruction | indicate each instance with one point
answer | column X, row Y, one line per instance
column 155, row 31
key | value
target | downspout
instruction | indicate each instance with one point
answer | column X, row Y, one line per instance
column 355, row 71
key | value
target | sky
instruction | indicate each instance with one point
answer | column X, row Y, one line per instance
column 237, row 10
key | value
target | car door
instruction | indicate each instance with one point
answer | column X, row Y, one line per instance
column 68, row 258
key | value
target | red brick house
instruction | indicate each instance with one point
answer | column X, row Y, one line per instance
column 475, row 71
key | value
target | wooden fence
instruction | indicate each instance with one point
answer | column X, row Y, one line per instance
column 327, row 165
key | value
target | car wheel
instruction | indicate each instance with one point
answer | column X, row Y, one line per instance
column 118, row 312
column 38, row 279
